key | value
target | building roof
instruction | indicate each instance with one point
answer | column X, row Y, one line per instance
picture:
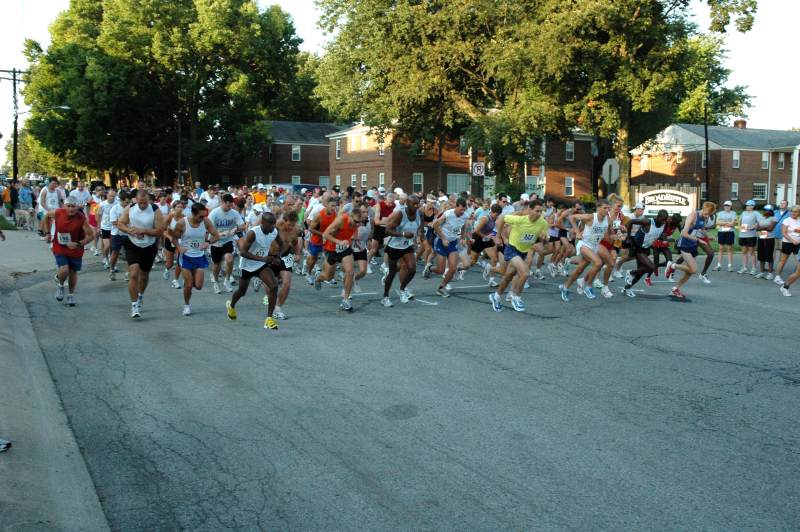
column 748, row 139
column 285, row 132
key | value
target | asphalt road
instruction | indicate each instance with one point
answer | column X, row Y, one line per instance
column 436, row 415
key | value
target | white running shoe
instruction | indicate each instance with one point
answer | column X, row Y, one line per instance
column 493, row 282
column 176, row 284
column 598, row 284
column 538, row 275
column 628, row 278
column 409, row 293
column 617, row 274
column 606, row 293
column 70, row 300
column 742, row 270
column 227, row 285
column 718, row 267
column 777, row 280
column 356, row 288
column 106, row 265
column 187, row 310
column 730, row 267
column 448, row 287
column 785, row 291
column 96, row 252
column 753, row 271
column 278, row 314
column 215, row 284
column 403, row 295
column 135, row 311
column 628, row 292
column 59, row 291
column 112, row 276
column 581, row 282
column 552, row 269
column 769, row 276
column 704, row 278
column 166, row 274
column 759, row 275
column 459, row 275
column 386, row 302
column 517, row 303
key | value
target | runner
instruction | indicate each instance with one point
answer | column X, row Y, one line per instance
column 428, row 212
column 103, row 213
column 259, row 248
column 641, row 241
column 170, row 249
column 143, row 225
column 289, row 232
column 790, row 242
column 227, row 222
column 687, row 245
column 449, row 228
column 748, row 224
column 765, row 252
column 726, row 234
column 69, row 231
column 527, row 228
column 192, row 237
column 595, row 228
column 118, row 237
column 360, row 245
column 50, row 198
column 483, row 242
column 317, row 226
column 404, row 228
column 338, row 238
column 626, row 252
column 662, row 245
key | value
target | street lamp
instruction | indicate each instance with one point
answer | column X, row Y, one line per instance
column 16, row 117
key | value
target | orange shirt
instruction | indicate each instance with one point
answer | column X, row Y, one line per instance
column 345, row 232
column 325, row 220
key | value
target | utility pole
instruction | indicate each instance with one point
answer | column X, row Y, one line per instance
column 16, row 118
column 708, row 159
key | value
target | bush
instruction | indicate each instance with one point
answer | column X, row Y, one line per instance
column 514, row 190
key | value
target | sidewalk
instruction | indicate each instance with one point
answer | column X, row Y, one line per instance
column 44, row 483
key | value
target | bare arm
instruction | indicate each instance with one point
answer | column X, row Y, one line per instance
column 123, row 221
column 333, row 228
column 244, row 248
column 689, row 224
column 392, row 223
column 211, row 230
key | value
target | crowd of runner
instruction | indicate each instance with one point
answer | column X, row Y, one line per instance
column 265, row 236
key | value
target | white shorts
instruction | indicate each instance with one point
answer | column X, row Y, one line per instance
column 582, row 243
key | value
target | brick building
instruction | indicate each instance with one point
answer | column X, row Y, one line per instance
column 744, row 163
column 298, row 153
column 564, row 169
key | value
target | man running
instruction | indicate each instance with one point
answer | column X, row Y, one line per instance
column 639, row 246
column 687, row 245
column 527, row 228
column 259, row 248
column 404, row 229
column 595, row 229
column 143, row 226
column 338, row 239
column 118, row 238
column 449, row 228
column 103, row 213
column 192, row 237
column 289, row 232
column 317, row 226
column 69, row 231
column 227, row 222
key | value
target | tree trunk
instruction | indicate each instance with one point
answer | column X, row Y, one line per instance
column 440, row 165
column 621, row 153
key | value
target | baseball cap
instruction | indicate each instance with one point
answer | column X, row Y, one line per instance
column 639, row 205
column 398, row 190
column 525, row 197
column 260, row 186
column 381, row 190
column 750, row 203
column 728, row 203
column 303, row 190
column 71, row 200
column 768, row 207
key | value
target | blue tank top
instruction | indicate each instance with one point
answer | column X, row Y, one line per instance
column 699, row 223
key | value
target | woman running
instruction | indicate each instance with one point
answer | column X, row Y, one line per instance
column 170, row 250
column 595, row 228
column 192, row 237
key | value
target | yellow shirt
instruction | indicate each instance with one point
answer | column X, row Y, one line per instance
column 259, row 197
column 524, row 232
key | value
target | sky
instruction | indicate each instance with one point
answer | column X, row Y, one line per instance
column 760, row 59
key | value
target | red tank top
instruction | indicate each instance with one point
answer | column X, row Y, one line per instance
column 386, row 210
column 67, row 230
column 345, row 232
column 325, row 220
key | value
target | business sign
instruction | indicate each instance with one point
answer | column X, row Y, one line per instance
column 670, row 200
column 478, row 169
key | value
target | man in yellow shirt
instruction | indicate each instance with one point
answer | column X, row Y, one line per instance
column 259, row 195
column 526, row 229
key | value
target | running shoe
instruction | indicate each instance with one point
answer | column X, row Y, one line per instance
column 70, row 300
column 760, row 275
column 730, row 267
column 538, row 275
column 493, row 282
column 777, row 280
column 403, row 295
column 356, row 288
column 589, row 293
column 257, row 283
column 448, row 287
column 409, row 293
column 517, row 303
column 346, row 305
column 216, row 287
column 487, row 270
column 628, row 278
column 270, row 323
column 769, row 276
column 112, row 276
column 628, row 291
column 386, row 302
column 310, row 280
column 278, row 314
column 676, row 292
column 166, row 274
column 459, row 275
column 704, row 278
column 648, row 281
column 606, row 293
column 598, row 284
column 231, row 310
column 617, row 274
column 564, row 293
column 581, row 285
column 742, row 270
column 718, row 267
column 753, row 271
column 317, row 282
column 228, row 286
column 494, row 299
column 59, row 291
column 106, row 265
column 552, row 269
column 442, row 292
column 561, row 270
column 135, row 311
column 670, row 269
column 232, row 281
column 187, row 310
column 426, row 273
column 332, row 282
column 785, row 292
column 508, row 296
column 176, row 284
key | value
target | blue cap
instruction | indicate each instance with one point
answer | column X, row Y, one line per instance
column 750, row 203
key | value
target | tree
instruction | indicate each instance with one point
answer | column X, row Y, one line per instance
column 32, row 157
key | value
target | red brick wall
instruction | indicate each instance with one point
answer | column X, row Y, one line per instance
column 557, row 168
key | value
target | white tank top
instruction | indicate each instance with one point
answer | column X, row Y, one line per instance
column 259, row 247
column 406, row 226
column 51, row 199
column 192, row 238
column 143, row 219
column 361, row 237
column 652, row 234
column 593, row 234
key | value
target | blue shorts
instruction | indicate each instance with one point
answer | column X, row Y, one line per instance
column 117, row 242
column 440, row 249
column 73, row 263
column 509, row 252
column 692, row 250
column 194, row 263
column 314, row 250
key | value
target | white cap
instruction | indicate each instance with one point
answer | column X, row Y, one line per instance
column 398, row 190
column 524, row 197
column 639, row 206
column 303, row 190
column 260, row 186
column 728, row 203
column 381, row 190
column 371, row 194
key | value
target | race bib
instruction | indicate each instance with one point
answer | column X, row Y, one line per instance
column 342, row 247
column 725, row 229
column 763, row 234
column 193, row 244
column 260, row 252
column 617, row 224
column 527, row 237
column 744, row 228
column 64, row 238
column 288, row 261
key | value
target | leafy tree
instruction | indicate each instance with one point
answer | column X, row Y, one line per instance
column 32, row 157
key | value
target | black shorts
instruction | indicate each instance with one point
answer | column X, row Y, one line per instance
column 726, row 238
column 379, row 233
column 168, row 245
column 749, row 241
column 765, row 250
column 554, row 239
column 430, row 234
column 787, row 248
column 635, row 250
column 144, row 257
column 218, row 252
column 479, row 244
column 334, row 258
column 105, row 234
column 397, row 254
column 562, row 233
column 279, row 266
column 360, row 255
column 118, row 242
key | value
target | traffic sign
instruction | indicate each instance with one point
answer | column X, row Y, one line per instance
column 610, row 171
column 478, row 169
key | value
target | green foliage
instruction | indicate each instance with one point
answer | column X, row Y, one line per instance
column 35, row 158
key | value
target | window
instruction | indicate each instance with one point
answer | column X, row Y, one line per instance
column 736, row 158
column 295, row 152
column 325, row 181
column 351, row 144
column 338, row 149
column 457, row 183
column 363, row 180
column 381, row 179
column 764, row 160
column 381, row 151
column 353, row 179
column 760, row 191
column 667, row 156
column 569, row 187
column 734, row 191
column 570, row 155
column 463, row 147
column 364, row 143
column 781, row 161
column 703, row 191
column 644, row 163
column 416, row 179
column 705, row 162
column 295, row 179
column 338, row 180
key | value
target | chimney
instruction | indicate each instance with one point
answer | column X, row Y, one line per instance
column 740, row 123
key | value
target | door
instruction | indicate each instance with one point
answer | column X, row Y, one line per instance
column 780, row 192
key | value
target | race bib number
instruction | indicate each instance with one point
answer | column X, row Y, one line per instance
column 64, row 238
column 527, row 237
column 193, row 244
column 617, row 224
column 260, row 252
column 288, row 261
column 744, row 228
column 725, row 229
column 763, row 234
column 342, row 247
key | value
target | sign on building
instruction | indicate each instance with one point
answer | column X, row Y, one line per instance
column 478, row 169
column 671, row 200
